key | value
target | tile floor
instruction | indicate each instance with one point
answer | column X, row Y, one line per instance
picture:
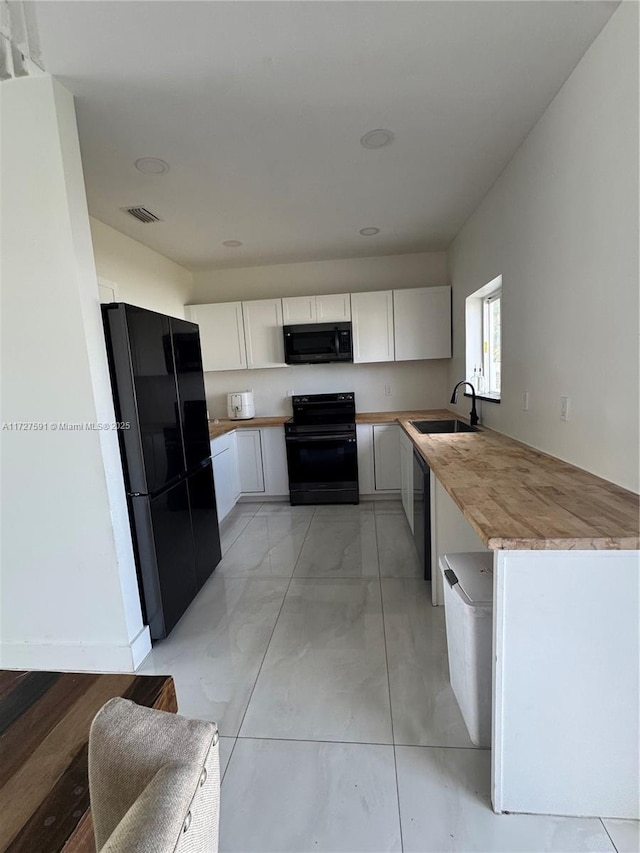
column 315, row 648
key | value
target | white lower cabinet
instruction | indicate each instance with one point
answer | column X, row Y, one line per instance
column 226, row 476
column 378, row 458
column 386, row 456
column 364, row 435
column 250, row 461
column 274, row 457
column 406, row 475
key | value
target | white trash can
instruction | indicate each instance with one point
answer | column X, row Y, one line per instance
column 468, row 602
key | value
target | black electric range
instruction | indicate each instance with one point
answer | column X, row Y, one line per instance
column 322, row 452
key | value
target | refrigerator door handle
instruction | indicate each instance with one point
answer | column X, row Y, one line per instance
column 124, row 396
column 147, row 561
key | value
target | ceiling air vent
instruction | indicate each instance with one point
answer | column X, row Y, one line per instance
column 142, row 214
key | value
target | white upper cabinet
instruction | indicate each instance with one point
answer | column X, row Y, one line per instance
column 299, row 309
column 398, row 325
column 263, row 333
column 330, row 308
column 221, row 334
column 422, row 323
column 372, row 317
column 333, row 308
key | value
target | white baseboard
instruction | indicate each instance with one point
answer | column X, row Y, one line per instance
column 75, row 657
column 383, row 496
column 140, row 646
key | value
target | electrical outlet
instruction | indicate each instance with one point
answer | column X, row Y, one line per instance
column 387, row 390
column 525, row 401
column 564, row 408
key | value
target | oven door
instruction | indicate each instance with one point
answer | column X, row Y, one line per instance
column 323, row 468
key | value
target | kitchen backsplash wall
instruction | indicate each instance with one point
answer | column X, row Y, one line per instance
column 413, row 385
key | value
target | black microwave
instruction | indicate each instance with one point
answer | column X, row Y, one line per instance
column 314, row 343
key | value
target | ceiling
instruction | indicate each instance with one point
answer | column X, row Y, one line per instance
column 259, row 107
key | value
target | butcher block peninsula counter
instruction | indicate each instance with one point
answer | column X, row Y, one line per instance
column 566, row 611
column 516, row 497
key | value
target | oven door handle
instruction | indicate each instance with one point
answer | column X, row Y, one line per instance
column 336, row 437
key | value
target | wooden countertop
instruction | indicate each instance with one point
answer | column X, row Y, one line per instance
column 393, row 417
column 44, row 733
column 224, row 425
column 518, row 498
column 514, row 497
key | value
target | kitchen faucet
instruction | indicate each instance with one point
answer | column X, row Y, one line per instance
column 473, row 416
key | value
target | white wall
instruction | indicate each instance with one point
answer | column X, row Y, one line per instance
column 421, row 384
column 414, row 385
column 339, row 276
column 561, row 227
column 143, row 276
column 68, row 590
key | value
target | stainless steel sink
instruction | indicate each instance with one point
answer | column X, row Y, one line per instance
column 427, row 427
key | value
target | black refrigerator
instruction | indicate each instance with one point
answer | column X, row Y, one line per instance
column 158, row 388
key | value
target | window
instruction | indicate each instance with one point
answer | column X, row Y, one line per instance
column 491, row 307
column 484, row 340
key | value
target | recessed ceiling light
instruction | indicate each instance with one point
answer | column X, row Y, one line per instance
column 369, row 232
column 151, row 166
column 232, row 244
column 377, row 138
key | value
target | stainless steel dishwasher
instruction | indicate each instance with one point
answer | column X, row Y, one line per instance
column 422, row 512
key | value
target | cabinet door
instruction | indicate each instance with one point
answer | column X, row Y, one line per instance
column 333, row 308
column 364, row 435
column 222, row 473
column 263, row 333
column 234, row 472
column 406, row 475
column 221, row 335
column 372, row 317
column 386, row 454
column 250, row 460
column 422, row 323
column 274, row 455
column 299, row 309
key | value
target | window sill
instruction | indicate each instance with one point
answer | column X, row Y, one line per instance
column 490, row 398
